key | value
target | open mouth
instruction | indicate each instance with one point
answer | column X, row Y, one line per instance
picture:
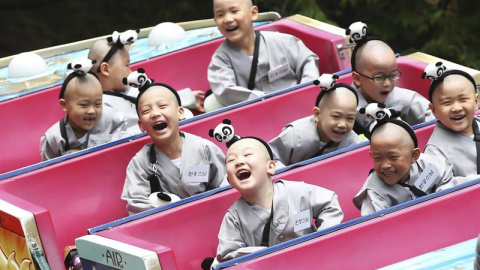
column 339, row 132
column 243, row 174
column 385, row 93
column 458, row 117
column 89, row 120
column 160, row 125
column 231, row 29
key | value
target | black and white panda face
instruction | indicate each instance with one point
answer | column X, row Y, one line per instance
column 126, row 38
column 136, row 79
column 374, row 112
column 223, row 132
column 357, row 31
column 81, row 66
column 433, row 71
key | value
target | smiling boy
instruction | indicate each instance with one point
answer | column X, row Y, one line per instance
column 87, row 123
column 456, row 135
column 375, row 75
column 269, row 213
column 400, row 172
column 327, row 130
column 178, row 154
column 244, row 65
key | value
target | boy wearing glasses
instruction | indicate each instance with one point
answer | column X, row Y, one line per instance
column 375, row 75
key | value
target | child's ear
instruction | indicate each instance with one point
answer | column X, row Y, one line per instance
column 63, row 104
column 181, row 113
column 476, row 99
column 104, row 69
column 271, row 167
column 140, row 125
column 254, row 13
column 415, row 154
column 316, row 114
column 356, row 79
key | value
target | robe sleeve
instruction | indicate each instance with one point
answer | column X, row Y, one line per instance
column 372, row 203
column 137, row 187
column 282, row 146
column 223, row 83
column 419, row 111
column 229, row 239
column 306, row 61
column 326, row 209
column 46, row 151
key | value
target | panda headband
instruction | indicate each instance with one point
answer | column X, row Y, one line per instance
column 397, row 122
column 358, row 35
column 328, row 84
column 118, row 41
column 438, row 80
column 80, row 68
column 138, row 79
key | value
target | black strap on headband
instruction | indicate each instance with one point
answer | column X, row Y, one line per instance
column 63, row 132
column 116, row 94
column 476, row 138
column 335, row 86
column 266, row 228
column 440, row 79
column 147, row 85
column 69, row 78
column 110, row 53
column 267, row 146
column 253, row 69
column 400, row 123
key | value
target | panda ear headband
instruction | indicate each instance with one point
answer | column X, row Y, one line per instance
column 328, row 84
column 358, row 35
column 437, row 74
column 138, row 79
column 118, row 41
column 224, row 132
column 397, row 122
column 80, row 67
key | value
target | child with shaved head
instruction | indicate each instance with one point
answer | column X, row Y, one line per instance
column 176, row 162
column 269, row 213
column 400, row 172
column 456, row 135
column 249, row 64
column 375, row 75
column 112, row 65
column 327, row 130
column 87, row 123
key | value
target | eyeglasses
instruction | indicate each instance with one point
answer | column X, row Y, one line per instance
column 381, row 78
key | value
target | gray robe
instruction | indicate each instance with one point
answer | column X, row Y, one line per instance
column 111, row 126
column 299, row 141
column 195, row 151
column 375, row 195
column 414, row 108
column 243, row 224
column 125, row 107
column 456, row 147
column 229, row 69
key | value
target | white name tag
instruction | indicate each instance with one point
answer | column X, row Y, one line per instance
column 278, row 72
column 302, row 221
column 98, row 139
column 426, row 179
column 197, row 174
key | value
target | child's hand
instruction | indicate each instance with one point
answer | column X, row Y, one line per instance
column 199, row 99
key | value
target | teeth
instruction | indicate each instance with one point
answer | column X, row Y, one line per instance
column 339, row 132
column 389, row 173
column 457, row 117
column 232, row 29
column 243, row 174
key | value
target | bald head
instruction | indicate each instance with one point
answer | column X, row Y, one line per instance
column 82, row 83
column 395, row 133
column 373, row 53
column 341, row 95
column 248, row 3
column 244, row 143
